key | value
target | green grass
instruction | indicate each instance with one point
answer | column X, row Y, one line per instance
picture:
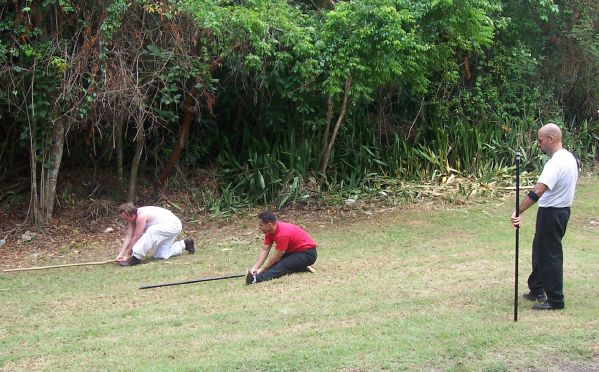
column 427, row 287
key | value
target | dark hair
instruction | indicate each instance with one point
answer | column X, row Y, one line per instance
column 128, row 208
column 267, row 217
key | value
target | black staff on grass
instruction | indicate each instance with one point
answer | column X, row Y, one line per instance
column 208, row 279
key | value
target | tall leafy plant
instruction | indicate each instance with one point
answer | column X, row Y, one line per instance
column 365, row 44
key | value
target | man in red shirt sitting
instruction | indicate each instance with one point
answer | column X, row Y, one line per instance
column 295, row 250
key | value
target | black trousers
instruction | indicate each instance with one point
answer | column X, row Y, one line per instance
column 289, row 263
column 547, row 254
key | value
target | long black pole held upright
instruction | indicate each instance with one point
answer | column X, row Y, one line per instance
column 517, row 237
column 192, row 281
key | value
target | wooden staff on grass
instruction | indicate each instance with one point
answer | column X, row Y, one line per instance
column 58, row 266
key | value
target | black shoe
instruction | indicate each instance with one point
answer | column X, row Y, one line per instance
column 189, row 245
column 132, row 261
column 548, row 306
column 250, row 278
column 534, row 297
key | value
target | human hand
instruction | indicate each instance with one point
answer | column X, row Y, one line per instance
column 515, row 220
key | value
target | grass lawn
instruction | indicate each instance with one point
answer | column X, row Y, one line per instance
column 426, row 287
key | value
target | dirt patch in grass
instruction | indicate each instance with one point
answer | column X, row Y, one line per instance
column 88, row 229
column 73, row 236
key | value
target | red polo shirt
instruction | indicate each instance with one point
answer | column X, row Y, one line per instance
column 289, row 238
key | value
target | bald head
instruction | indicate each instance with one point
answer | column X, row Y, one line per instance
column 551, row 130
column 550, row 138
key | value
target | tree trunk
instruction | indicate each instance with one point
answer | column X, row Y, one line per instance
column 58, row 137
column 140, row 141
column 329, row 149
column 36, row 195
column 179, row 145
column 119, row 150
column 33, row 201
column 327, row 128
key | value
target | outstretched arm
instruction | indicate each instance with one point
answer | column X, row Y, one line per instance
column 261, row 258
column 126, row 242
column 276, row 257
column 134, row 232
column 538, row 189
column 140, row 225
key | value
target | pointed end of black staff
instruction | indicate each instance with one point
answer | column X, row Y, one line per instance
column 208, row 279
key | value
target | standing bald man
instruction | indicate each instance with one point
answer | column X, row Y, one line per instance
column 554, row 191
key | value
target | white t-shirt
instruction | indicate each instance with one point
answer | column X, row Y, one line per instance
column 560, row 175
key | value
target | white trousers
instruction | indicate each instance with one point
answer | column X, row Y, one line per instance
column 159, row 240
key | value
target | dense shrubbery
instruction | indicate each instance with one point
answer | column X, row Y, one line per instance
column 287, row 99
